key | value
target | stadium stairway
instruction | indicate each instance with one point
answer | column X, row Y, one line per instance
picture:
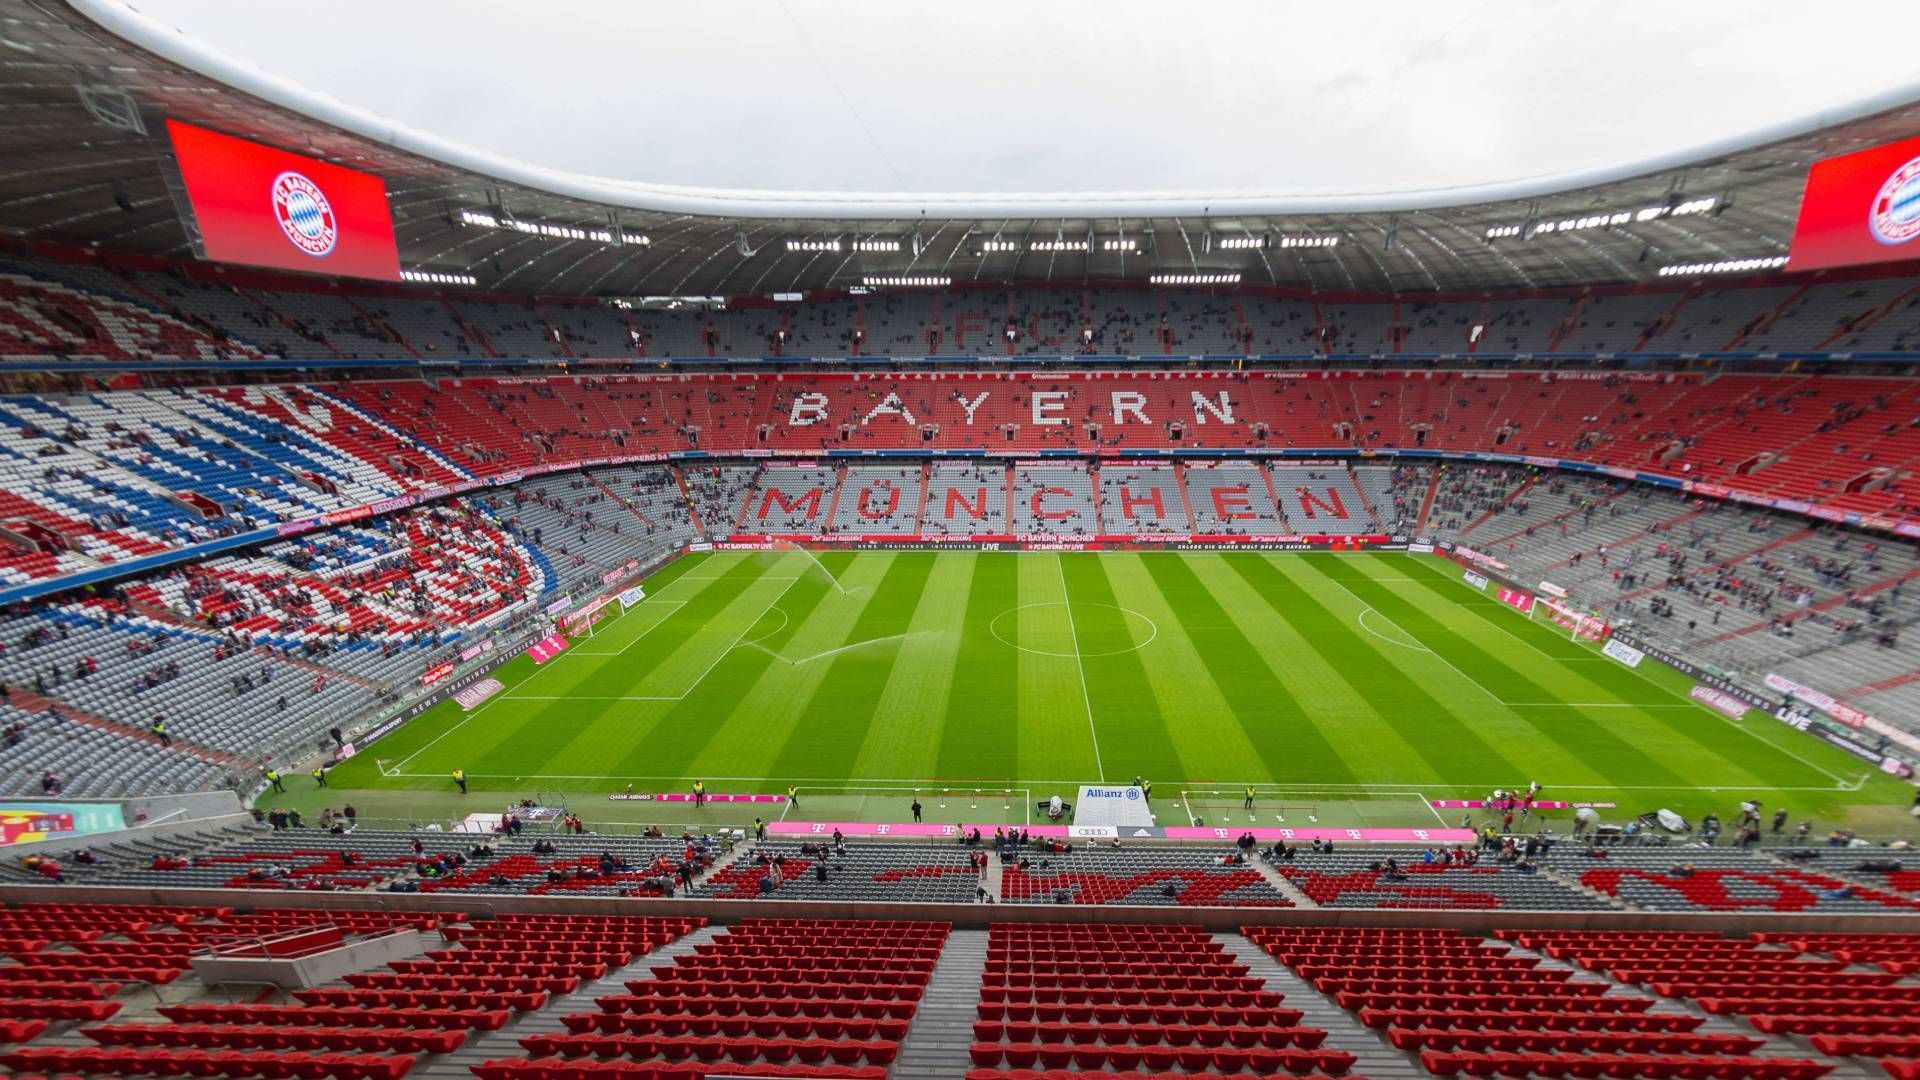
column 505, row 1043
column 1572, row 881
column 942, row 1028
column 1279, row 881
column 727, row 858
column 1375, row 1058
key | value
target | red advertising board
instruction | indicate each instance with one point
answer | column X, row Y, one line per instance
column 1862, row 207
column 266, row 207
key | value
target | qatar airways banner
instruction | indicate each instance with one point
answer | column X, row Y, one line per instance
column 257, row 205
column 1862, row 207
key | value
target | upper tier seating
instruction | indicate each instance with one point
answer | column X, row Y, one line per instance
column 1433, row 991
column 68, row 964
column 834, row 998
column 1780, row 991
column 1119, row 998
column 85, row 310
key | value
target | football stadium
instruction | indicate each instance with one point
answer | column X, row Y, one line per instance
column 884, row 541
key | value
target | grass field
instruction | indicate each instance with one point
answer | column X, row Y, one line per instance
column 1348, row 688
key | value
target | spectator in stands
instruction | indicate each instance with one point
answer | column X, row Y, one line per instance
column 45, row 866
column 49, row 783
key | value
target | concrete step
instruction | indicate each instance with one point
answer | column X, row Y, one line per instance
column 1278, row 880
column 942, row 1027
column 1376, row 1057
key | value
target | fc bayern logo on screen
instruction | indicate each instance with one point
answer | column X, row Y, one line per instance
column 1896, row 209
column 304, row 213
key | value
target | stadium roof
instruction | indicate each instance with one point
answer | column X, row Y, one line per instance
column 86, row 162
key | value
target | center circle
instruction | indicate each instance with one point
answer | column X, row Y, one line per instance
column 1140, row 628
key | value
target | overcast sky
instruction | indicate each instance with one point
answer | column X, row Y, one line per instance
column 1074, row 95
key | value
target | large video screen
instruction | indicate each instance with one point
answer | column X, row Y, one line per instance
column 265, row 207
column 1862, row 207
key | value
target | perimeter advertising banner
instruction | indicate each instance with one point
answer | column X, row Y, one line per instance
column 1862, row 207
column 25, row 822
column 266, row 207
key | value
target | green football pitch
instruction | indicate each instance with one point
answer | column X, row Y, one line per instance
column 1348, row 689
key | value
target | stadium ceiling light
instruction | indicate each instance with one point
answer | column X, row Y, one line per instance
column 999, row 245
column 876, row 245
column 1604, row 220
column 1309, row 241
column 1724, row 266
column 482, row 219
column 1122, row 244
column 814, row 245
column 891, row 281
column 1058, row 245
column 1242, row 243
column 1195, row 279
column 435, row 277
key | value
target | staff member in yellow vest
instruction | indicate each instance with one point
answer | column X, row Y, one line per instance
column 460, row 777
column 699, row 793
column 273, row 777
column 793, row 797
column 1249, row 803
column 319, row 776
